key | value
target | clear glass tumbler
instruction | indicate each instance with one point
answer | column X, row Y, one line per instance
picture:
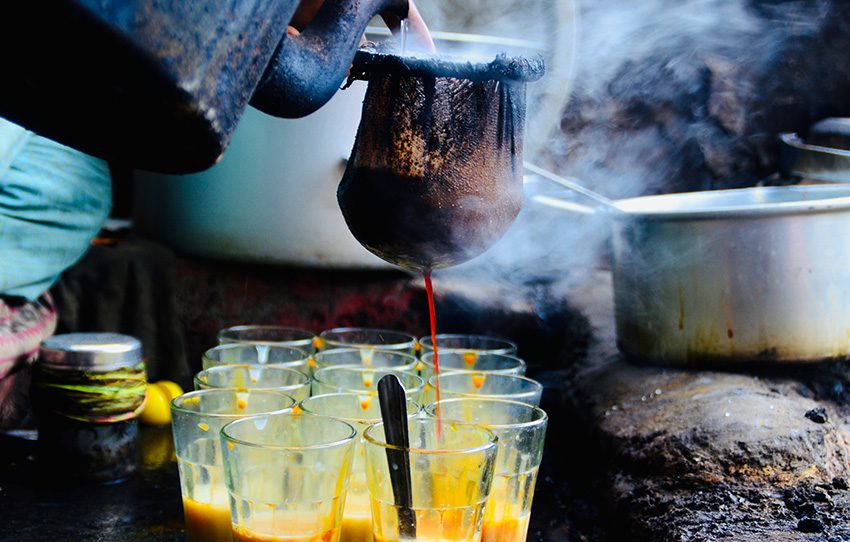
column 257, row 354
column 270, row 336
column 474, row 344
column 348, row 407
column 197, row 418
column 484, row 385
column 364, row 337
column 451, row 471
column 521, row 429
column 255, row 377
column 366, row 357
column 454, row 361
column 363, row 381
column 287, row 475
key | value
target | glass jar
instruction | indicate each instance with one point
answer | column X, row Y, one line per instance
column 87, row 390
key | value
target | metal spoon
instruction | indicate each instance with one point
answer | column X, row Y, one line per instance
column 394, row 413
column 574, row 186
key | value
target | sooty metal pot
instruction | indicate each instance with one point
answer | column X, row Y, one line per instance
column 160, row 85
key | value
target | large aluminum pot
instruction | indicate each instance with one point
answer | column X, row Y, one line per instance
column 733, row 276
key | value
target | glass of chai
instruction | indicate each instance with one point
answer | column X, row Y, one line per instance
column 255, row 377
column 521, row 430
column 257, row 354
column 349, row 407
column 287, row 475
column 197, row 418
column 451, row 471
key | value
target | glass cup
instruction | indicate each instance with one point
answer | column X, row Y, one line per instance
column 270, row 336
column 348, row 407
column 469, row 343
column 363, row 381
column 521, row 430
column 197, row 418
column 450, row 479
column 458, row 361
column 484, row 385
column 287, row 475
column 257, row 354
column 366, row 357
column 256, row 377
column 364, row 337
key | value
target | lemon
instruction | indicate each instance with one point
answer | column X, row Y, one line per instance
column 172, row 389
column 157, row 409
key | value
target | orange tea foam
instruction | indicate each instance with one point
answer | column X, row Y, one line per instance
column 356, row 529
column 241, row 534
column 512, row 530
column 509, row 530
column 206, row 522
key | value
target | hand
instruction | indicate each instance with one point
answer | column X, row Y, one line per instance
column 419, row 38
column 304, row 13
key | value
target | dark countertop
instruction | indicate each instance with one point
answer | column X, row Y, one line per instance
column 148, row 506
column 145, row 508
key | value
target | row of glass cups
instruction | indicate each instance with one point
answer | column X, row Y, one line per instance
column 288, row 465
column 254, row 466
column 361, row 337
column 490, row 363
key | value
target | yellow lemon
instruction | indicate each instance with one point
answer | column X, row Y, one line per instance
column 157, row 410
column 171, row 389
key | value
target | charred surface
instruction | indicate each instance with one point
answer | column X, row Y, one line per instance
column 695, row 455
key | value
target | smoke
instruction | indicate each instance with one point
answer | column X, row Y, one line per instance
column 673, row 96
column 665, row 96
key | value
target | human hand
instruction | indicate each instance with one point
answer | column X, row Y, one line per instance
column 419, row 37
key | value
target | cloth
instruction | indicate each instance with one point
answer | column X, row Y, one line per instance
column 53, row 201
column 22, row 328
column 129, row 286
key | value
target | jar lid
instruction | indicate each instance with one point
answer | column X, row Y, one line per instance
column 90, row 351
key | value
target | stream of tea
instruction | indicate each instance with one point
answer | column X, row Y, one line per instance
column 402, row 35
column 432, row 315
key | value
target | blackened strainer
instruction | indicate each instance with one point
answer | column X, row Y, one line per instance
column 435, row 176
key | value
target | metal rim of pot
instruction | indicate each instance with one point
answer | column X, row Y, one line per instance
column 685, row 205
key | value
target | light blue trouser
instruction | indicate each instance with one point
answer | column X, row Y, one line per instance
column 53, row 201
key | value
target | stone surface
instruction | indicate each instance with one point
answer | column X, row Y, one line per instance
column 686, row 455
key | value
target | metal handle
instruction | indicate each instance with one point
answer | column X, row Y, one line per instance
column 601, row 202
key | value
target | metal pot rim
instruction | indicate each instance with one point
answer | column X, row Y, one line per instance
column 737, row 203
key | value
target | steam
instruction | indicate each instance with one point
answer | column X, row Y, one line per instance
column 666, row 96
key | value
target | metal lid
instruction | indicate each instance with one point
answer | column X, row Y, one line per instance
column 90, row 351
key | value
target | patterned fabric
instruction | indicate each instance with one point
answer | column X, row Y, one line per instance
column 53, row 201
column 22, row 328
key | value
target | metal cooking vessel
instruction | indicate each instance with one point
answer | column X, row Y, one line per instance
column 161, row 85
column 733, row 276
